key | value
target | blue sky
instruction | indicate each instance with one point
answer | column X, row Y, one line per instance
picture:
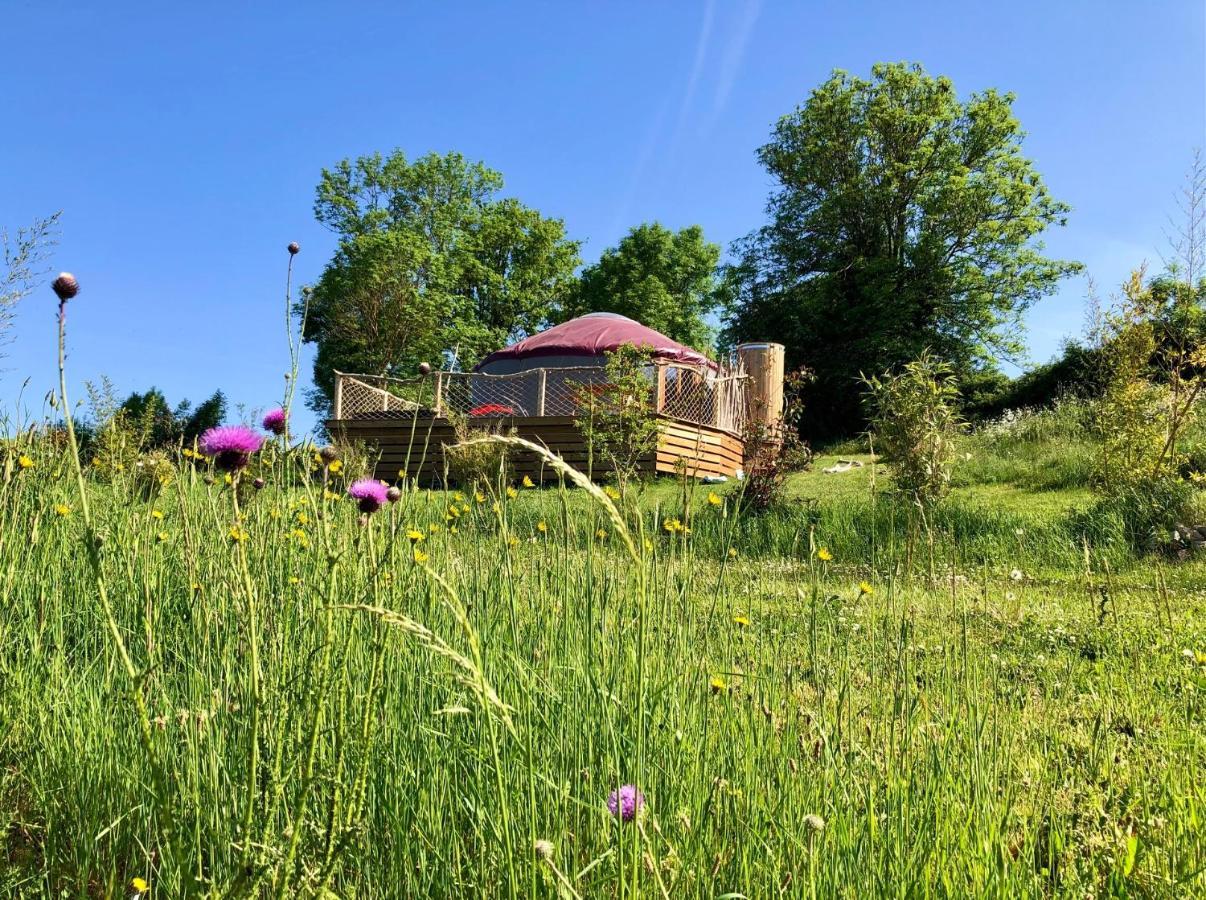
column 183, row 141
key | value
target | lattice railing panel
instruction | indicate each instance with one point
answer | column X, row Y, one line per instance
column 687, row 393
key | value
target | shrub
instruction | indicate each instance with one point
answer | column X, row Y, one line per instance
column 772, row 452
column 472, row 462
column 620, row 423
column 913, row 416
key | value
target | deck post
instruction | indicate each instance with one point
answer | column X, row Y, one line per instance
column 437, row 407
column 659, row 395
column 337, row 412
column 541, row 384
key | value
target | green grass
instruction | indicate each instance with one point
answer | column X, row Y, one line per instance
column 961, row 729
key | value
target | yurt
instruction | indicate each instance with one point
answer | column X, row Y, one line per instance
column 542, row 387
column 572, row 355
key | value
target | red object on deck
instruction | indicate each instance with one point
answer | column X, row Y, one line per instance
column 491, row 409
column 595, row 334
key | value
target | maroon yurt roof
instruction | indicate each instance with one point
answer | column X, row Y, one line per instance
column 595, row 334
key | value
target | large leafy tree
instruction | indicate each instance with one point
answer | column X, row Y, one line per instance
column 663, row 278
column 904, row 219
column 431, row 261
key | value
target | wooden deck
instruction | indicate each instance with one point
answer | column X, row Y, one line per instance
column 415, row 444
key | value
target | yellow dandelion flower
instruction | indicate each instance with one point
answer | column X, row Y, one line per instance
column 864, row 587
column 162, row 536
column 420, row 556
column 511, row 493
column 528, row 482
column 512, row 541
column 139, row 885
column 300, row 537
column 274, row 513
column 415, row 535
column 330, row 495
column 62, row 509
column 673, row 526
column 601, row 533
column 227, row 479
column 336, row 466
column 824, row 555
column 237, row 534
column 303, row 519
column 156, row 514
column 611, row 492
column 25, row 462
column 732, row 553
column 743, row 621
column 479, row 497
column 541, row 527
column 454, row 512
column 648, row 545
column 465, row 507
column 293, row 579
column 454, row 530
column 433, row 528
column 717, row 684
column 458, row 497
column 714, row 499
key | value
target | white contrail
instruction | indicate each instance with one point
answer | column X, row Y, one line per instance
column 734, row 53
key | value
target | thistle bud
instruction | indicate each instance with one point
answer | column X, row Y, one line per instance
column 329, row 454
column 65, row 286
column 424, row 368
column 293, row 248
column 393, row 495
column 258, row 484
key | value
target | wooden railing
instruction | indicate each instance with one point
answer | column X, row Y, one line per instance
column 687, row 393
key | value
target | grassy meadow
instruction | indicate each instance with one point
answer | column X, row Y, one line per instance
column 437, row 701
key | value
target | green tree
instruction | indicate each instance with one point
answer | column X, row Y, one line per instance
column 431, row 260
column 208, row 414
column 904, row 218
column 662, row 278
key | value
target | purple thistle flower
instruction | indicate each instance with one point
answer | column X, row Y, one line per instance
column 370, row 493
column 625, row 802
column 230, row 446
column 274, row 421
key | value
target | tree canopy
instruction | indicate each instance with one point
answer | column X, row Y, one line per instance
column 662, row 278
column 431, row 260
column 903, row 219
